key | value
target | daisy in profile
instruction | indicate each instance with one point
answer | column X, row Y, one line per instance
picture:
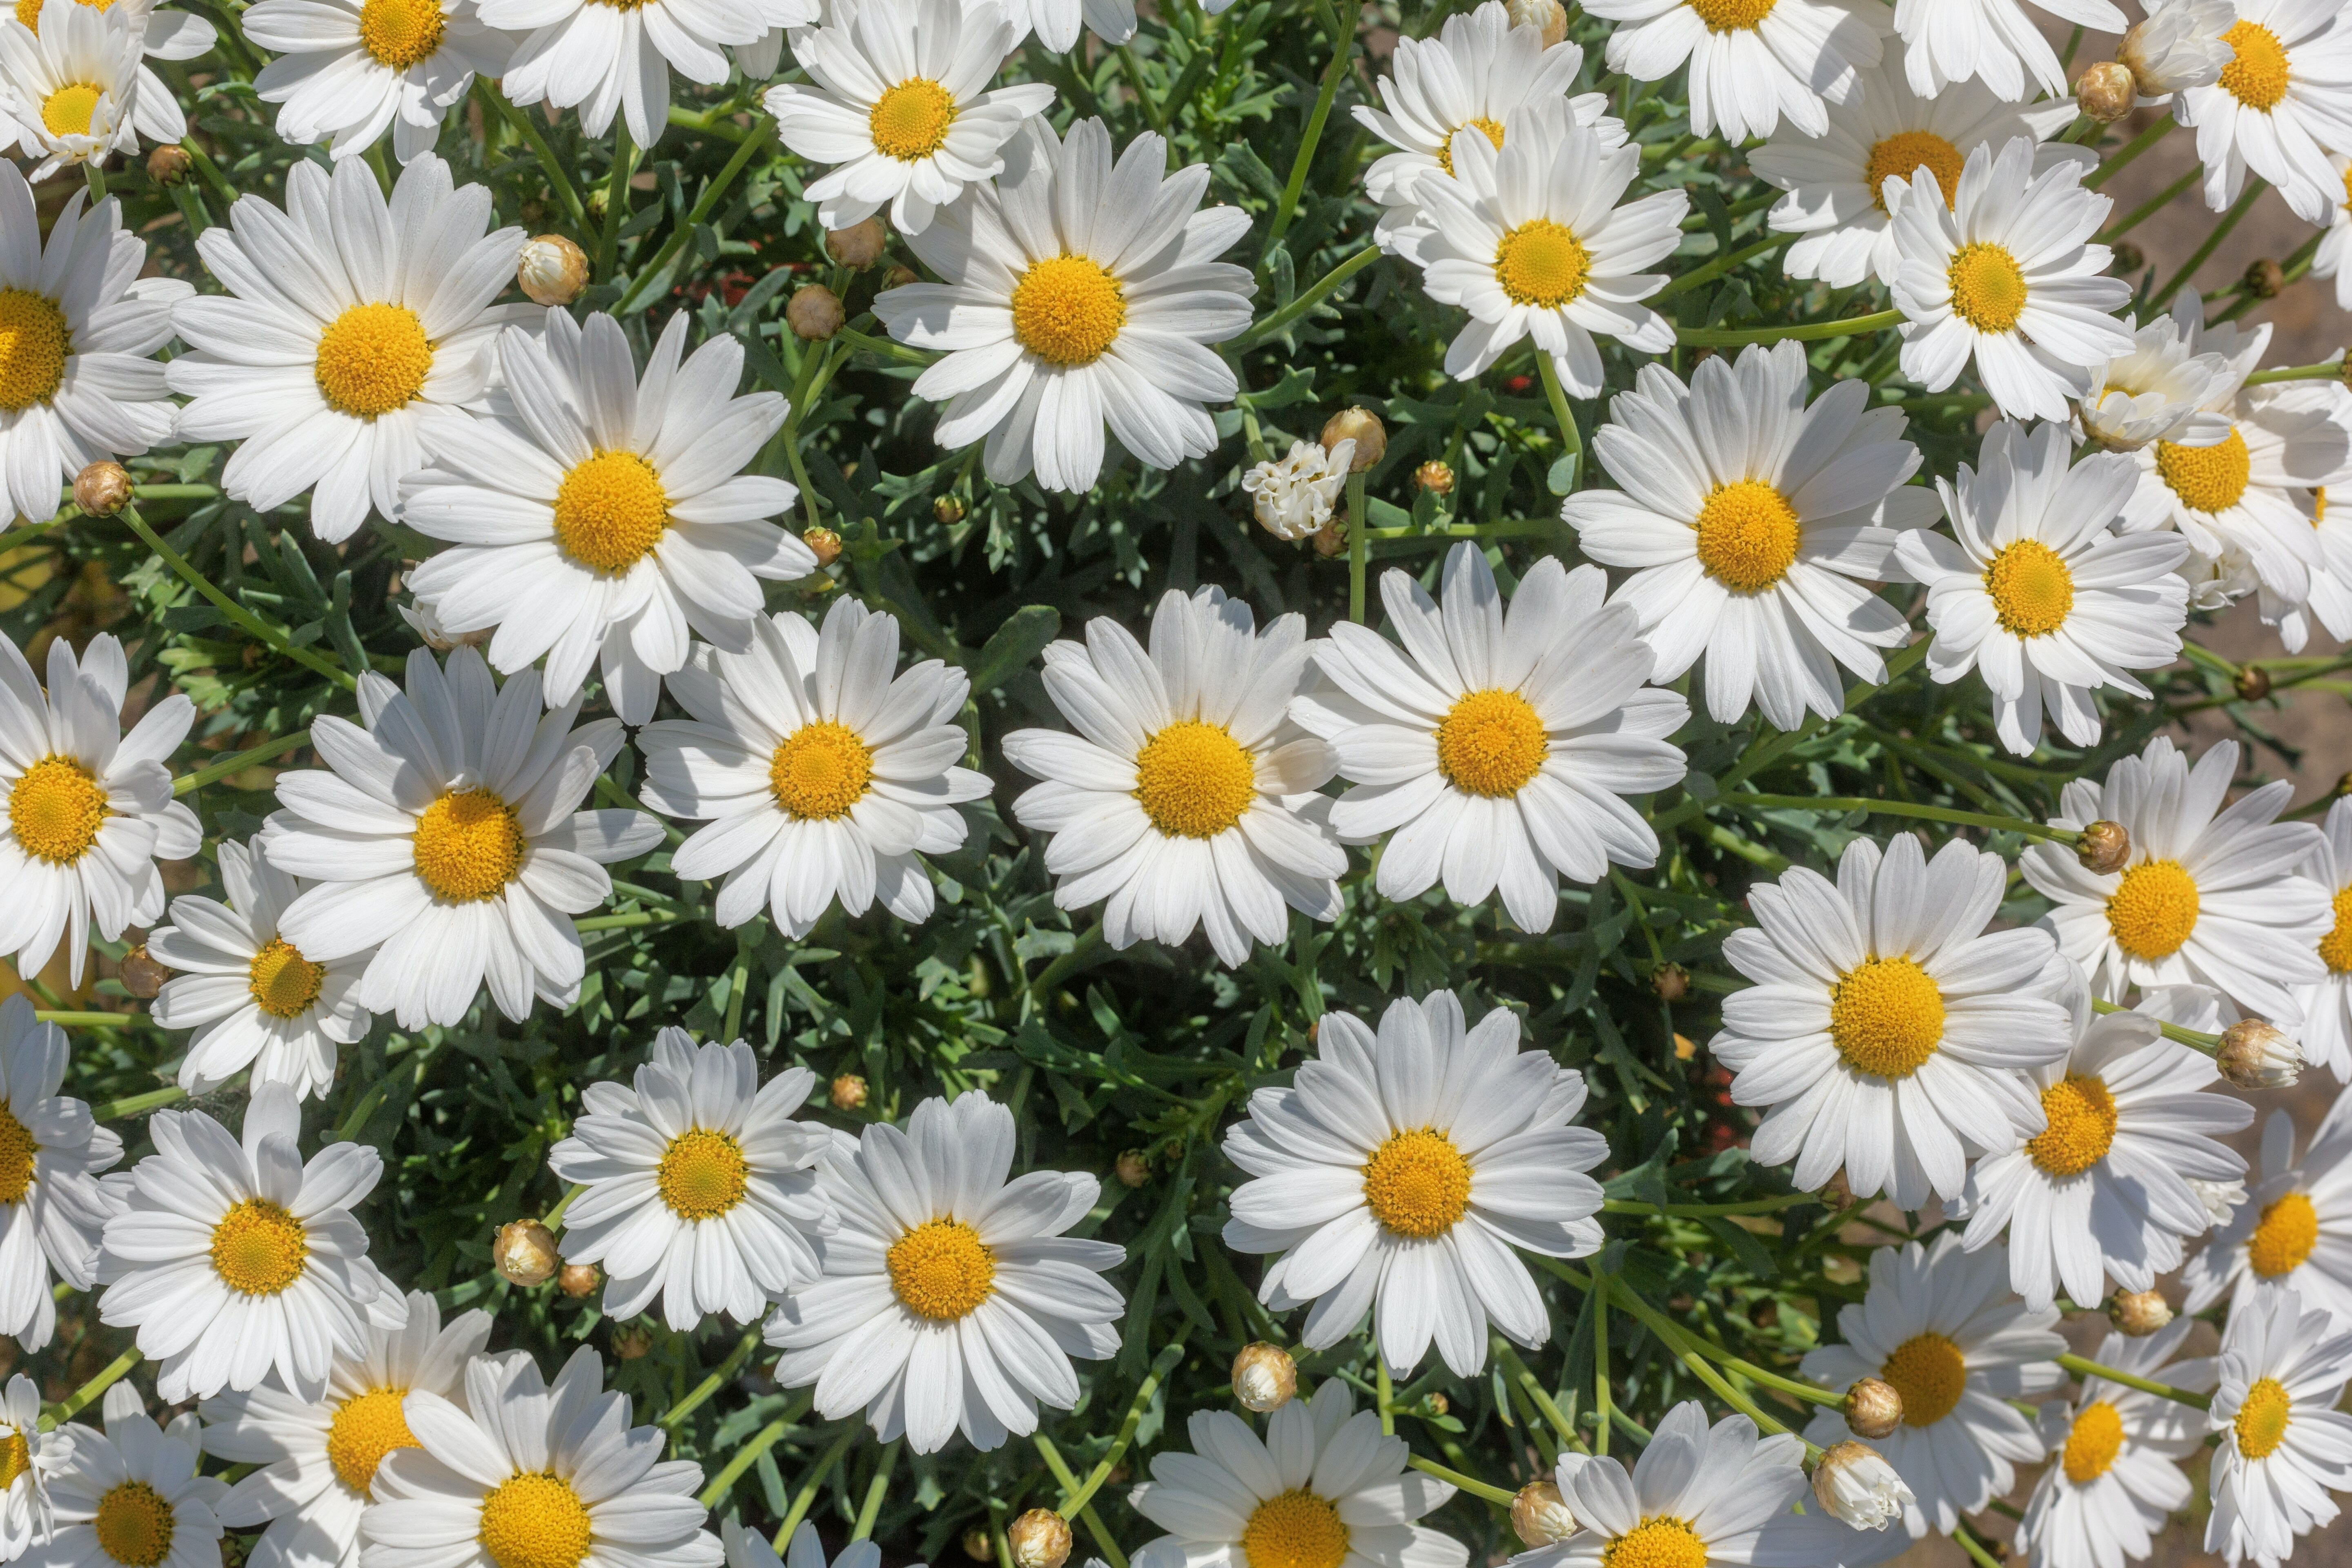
column 250, row 996
column 2333, row 256
column 2206, row 899
column 2326, row 1004
column 2164, row 390
column 1949, row 41
column 2285, row 1446
column 445, row 837
column 1939, row 1323
column 350, row 70
column 1397, row 1173
column 824, row 771
column 952, row 1300
column 130, row 1497
column 2294, row 1231
column 1323, row 1482
column 51, row 1205
column 2180, row 44
column 2005, row 276
column 606, row 60
column 1078, row 294
column 1529, row 238
column 352, row 327
column 1496, row 748
column 29, row 1458
column 607, row 516
column 88, row 809
column 523, row 1475
column 315, row 1461
column 1752, row 62
column 68, row 94
column 1187, row 797
column 1747, row 517
column 2117, row 1479
column 2034, row 589
column 2280, row 105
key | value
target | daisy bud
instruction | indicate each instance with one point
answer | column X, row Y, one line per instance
column 552, row 271
column 858, row 246
column 976, row 1545
column 1671, row 982
column 1437, row 1404
column 1435, row 477
column 1134, row 1170
column 899, row 276
column 2139, row 1313
column 848, row 1092
column 1540, row 1516
column 2263, row 280
column 1330, row 540
column 1856, row 1485
column 141, row 974
column 631, row 1343
column 2180, row 45
column 2103, row 847
column 576, row 1279
column 824, row 543
column 2106, row 92
column 102, row 488
column 815, row 313
column 2251, row 682
column 1265, row 1377
column 2253, row 1055
column 1549, row 17
column 525, row 1252
column 168, row 164
column 1362, row 427
column 948, row 510
column 1873, row 1408
column 2128, row 259
column 1039, row 1539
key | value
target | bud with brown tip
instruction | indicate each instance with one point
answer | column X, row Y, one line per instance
column 1435, row 476
column 848, row 1092
column 1856, row 1485
column 2254, row 1055
column 1671, row 982
column 1873, row 1408
column 2106, row 92
column 2253, row 682
column 948, row 509
column 551, row 269
column 2263, row 279
column 142, row 974
column 2103, row 847
column 1329, row 540
column 824, row 543
column 1132, row 1169
column 525, row 1252
column 1265, row 1377
column 859, row 245
column 2139, row 1313
column 1362, row 427
column 815, row 313
column 102, row 488
column 1540, row 1516
column 899, row 276
column 1039, row 1539
column 169, row 164
column 631, row 1342
column 976, row 1546
column 576, row 1279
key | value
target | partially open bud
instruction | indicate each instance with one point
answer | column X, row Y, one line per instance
column 948, row 510
column 848, row 1092
column 1039, row 1539
column 1435, row 477
column 2128, row 259
column 1549, row 17
column 976, row 1546
column 1671, row 982
column 2253, row 1055
column 168, row 164
column 1265, row 1377
column 2263, row 279
column 2139, row 1313
column 824, row 543
column 859, row 245
column 1330, row 540
column 576, row 1279
column 1540, row 1515
column 2106, row 92
column 102, row 488
column 141, row 975
column 631, row 1342
column 1873, row 1408
column 899, row 276
column 2103, row 847
column 1362, row 427
column 551, row 269
column 525, row 1252
column 2251, row 682
column 1436, row 1403
column 1856, row 1485
column 815, row 313
column 1133, row 1169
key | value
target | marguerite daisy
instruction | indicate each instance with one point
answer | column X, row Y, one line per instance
column 2328, row 601
column 2285, row 1446
column 2116, row 1480
column 2281, row 106
column 51, row 1205
column 131, row 1497
column 1055, row 22
column 69, row 93
column 350, row 70
column 164, row 35
column 28, row 1458
column 749, row 1549
column 1949, row 41
column 2294, row 1231
column 2333, row 256
column 2326, row 1003
column 609, row 59
column 1751, row 61
column 2180, row 44
column 2164, row 390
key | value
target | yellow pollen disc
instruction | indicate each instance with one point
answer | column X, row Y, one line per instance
column 534, row 1520
column 911, row 120
column 2080, row 1112
column 2206, row 479
column 15, row 1459
column 134, row 1524
column 68, row 110
column 1886, row 1018
column 469, row 845
column 941, row 1270
column 1194, row 780
column 16, row 1152
column 1732, row 15
column 821, row 771
column 610, row 510
column 702, row 1174
column 1067, row 310
column 2032, row 590
column 2262, row 1422
column 365, row 1428
column 2287, row 1233
column 2093, row 1442
column 258, row 1249
column 284, row 984
column 1417, row 1183
column 1906, row 151
column 34, row 346
column 2258, row 77
column 55, row 808
column 1988, row 288
column 1930, row 1374
column 2335, row 947
column 30, row 11
column 1747, row 535
column 373, row 359
column 1491, row 743
column 1543, row 264
column 2153, row 909
column 1657, row 1543
column 1493, row 132
column 400, row 33
column 1295, row 1529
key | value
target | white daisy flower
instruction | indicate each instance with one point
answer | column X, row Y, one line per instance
column 1294, row 498
column 824, row 774
column 1888, row 1030
column 605, row 516
column 2117, row 1481
column 1949, row 41
column 1496, row 748
column 251, row 996
column 1077, row 293
column 1187, row 797
column 88, row 809
column 69, row 94
column 51, row 1205
column 350, row 70
column 165, row 35
column 2294, row 1231
column 2285, row 1446
column 1530, row 241
column 2163, row 390
column 444, row 835
column 2280, row 105
column 700, row 1184
column 29, row 1458
column 1751, row 61
column 2326, row 1004
column 2180, row 44
column 1055, row 22
column 1747, row 516
column 952, row 1300
column 352, row 327
column 898, row 100
column 131, row 1497
column 1939, row 1323
column 1397, row 1172
column 2004, row 276
column 749, row 1549
column 2206, row 899
column 608, row 59
column 2330, row 260
column 2036, row 591
column 522, row 1475
column 1324, row 1488
column 314, row 1461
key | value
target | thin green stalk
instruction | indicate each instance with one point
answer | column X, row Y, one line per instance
column 1273, row 326
column 553, row 1218
column 2298, row 262
column 1161, row 1366
column 616, row 198
column 1726, row 262
column 2121, row 158
column 871, row 1509
column 2150, row 207
column 129, row 1104
column 1470, row 1484
column 883, row 348
column 652, row 271
column 1701, row 1211
column 1514, row 528
column 2034, row 830
column 239, row 616
column 1133, row 70
column 557, row 177
column 1807, row 332
column 2330, row 371
column 65, row 1020
column 1539, row 1396
column 95, row 177
column 1601, row 1397
column 238, row 762
column 719, row 1378
column 1386, row 1395
column 738, row 981
column 1968, row 1543
column 209, row 170
column 1691, row 1351
column 1571, row 441
column 1358, row 548
column 803, row 1500
column 743, row 1458
column 73, row 1403
column 2230, row 220
column 2195, row 1039
column 1343, row 45
column 1104, row 1541
column 2083, row 1366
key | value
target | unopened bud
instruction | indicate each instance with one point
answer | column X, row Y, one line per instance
column 976, row 1546
column 2251, row 682
column 1671, row 982
column 1265, row 1377
column 1133, row 1169
column 1437, row 1404
column 815, row 313
column 142, row 974
column 2263, row 279
column 525, row 1252
column 848, row 1092
column 168, row 164
column 1435, row 477
column 859, row 245
column 102, row 488
column 2103, row 847
column 2106, row 92
column 1329, row 540
column 2253, row 1055
column 824, row 543
column 1540, row 1516
column 1856, row 1485
column 948, row 509
column 1039, row 1539
column 1549, row 17
column 2139, row 1313
column 1873, row 1408
column 899, row 276
column 551, row 269
column 576, row 1279
column 2129, row 257
column 631, row 1343
column 1362, row 427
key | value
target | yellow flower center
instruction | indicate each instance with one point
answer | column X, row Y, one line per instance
column 1657, row 1543
column 2093, row 1442
column 910, row 122
column 1295, row 1529
column 1906, row 151
column 610, row 510
column 1491, row 743
column 1067, row 310
column 1930, row 1374
column 1732, row 15
column 1886, row 1018
column 1194, row 780
column 55, row 808
column 821, row 771
column 2335, row 947
column 1747, row 535
column 2153, row 909
column 2206, row 479
column 1445, row 149
column 1417, row 1183
column 941, row 1270
column 2262, row 1422
column 534, row 1520
column 1543, row 264
column 258, row 1249
column 2081, row 1114
column 702, row 1174
column 373, row 359
column 469, row 845
column 284, row 984
column 2258, row 77
column 16, row 1152
column 134, row 1524
column 68, row 110
column 365, row 1428
column 1988, row 288
column 400, row 33
column 2032, row 590
column 34, row 346
column 2287, row 1233
column 29, row 12
column 15, row 1458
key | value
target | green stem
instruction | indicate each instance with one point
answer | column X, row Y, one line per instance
column 703, row 1391
column 1386, row 1395
column 2034, row 830
column 745, row 1457
column 1360, row 548
column 90, row 1021
column 519, row 120
column 129, row 1104
column 2328, row 371
column 1133, row 70
column 553, row 1218
column 209, row 170
column 1807, row 332
column 883, row 348
column 237, row 614
column 872, row 1507
column 1161, row 1366
column 2083, row 1366
column 1721, row 265
column 2195, row 1039
column 2197, row 258
column 700, row 210
column 1515, row 527
column 2150, row 208
column 2121, row 158
column 617, row 197
column 1691, row 1351
column 1104, row 1540
column 1571, row 441
column 806, row 1496
column 1541, row 1396
column 1343, row 45
column 1700, row 1211
column 1273, row 326
column 95, row 178
column 238, row 762
column 73, row 1403
column 1599, row 1291
column 1968, row 1543
column 1476, row 1488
